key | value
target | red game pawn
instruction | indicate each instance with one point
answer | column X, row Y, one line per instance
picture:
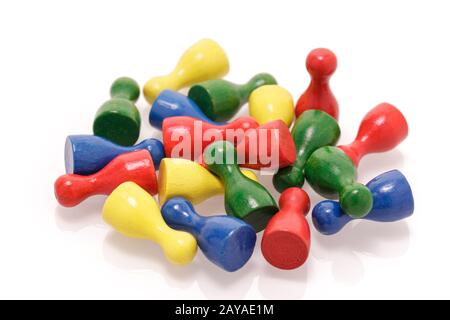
column 382, row 129
column 321, row 64
column 269, row 146
column 71, row 189
column 190, row 133
column 286, row 240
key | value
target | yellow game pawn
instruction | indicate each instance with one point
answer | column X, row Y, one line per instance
column 271, row 102
column 133, row 212
column 187, row 179
column 205, row 60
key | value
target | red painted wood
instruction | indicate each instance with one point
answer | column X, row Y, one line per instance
column 321, row 64
column 257, row 142
column 71, row 189
column 286, row 240
column 382, row 129
column 282, row 142
column 176, row 129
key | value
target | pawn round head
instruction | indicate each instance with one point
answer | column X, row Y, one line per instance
column 321, row 62
column 328, row 218
column 125, row 88
column 261, row 79
column 288, row 177
column 177, row 211
column 356, row 200
column 67, row 192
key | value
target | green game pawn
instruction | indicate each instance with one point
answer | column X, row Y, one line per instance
column 220, row 100
column 331, row 173
column 313, row 130
column 118, row 119
column 244, row 198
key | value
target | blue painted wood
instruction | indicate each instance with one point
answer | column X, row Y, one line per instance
column 392, row 201
column 87, row 154
column 226, row 241
column 173, row 104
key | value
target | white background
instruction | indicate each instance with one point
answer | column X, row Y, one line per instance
column 58, row 59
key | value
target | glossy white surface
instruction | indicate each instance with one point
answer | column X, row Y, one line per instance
column 58, row 59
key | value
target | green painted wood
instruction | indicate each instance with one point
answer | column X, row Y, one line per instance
column 331, row 173
column 313, row 130
column 220, row 100
column 118, row 119
column 244, row 198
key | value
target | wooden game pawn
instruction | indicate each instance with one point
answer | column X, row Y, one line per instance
column 244, row 198
column 71, row 189
column 118, row 119
column 220, row 100
column 392, row 201
column 87, row 154
column 314, row 129
column 331, row 173
column 321, row 64
column 204, row 60
column 286, row 240
column 382, row 129
column 226, row 241
column 189, row 133
column 134, row 213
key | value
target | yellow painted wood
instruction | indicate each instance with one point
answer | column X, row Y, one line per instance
column 188, row 179
column 271, row 102
column 205, row 60
column 133, row 212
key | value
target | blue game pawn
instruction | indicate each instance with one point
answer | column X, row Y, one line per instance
column 226, row 241
column 392, row 201
column 173, row 104
column 88, row 154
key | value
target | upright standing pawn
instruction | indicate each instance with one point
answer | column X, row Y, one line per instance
column 244, row 198
column 174, row 104
column 187, row 179
column 331, row 173
column 382, row 129
column 286, row 240
column 220, row 100
column 87, row 154
column 321, row 64
column 71, row 189
column 134, row 213
column 271, row 102
column 205, row 60
column 313, row 130
column 118, row 119
column 226, row 241
column 392, row 201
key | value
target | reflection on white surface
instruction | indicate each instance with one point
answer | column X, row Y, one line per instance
column 86, row 214
column 344, row 251
column 138, row 255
